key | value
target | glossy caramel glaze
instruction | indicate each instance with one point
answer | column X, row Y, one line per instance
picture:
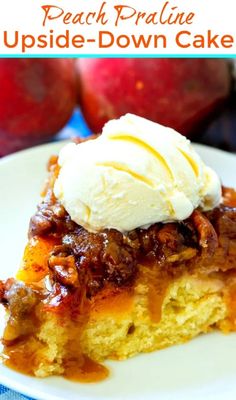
column 84, row 370
column 22, row 358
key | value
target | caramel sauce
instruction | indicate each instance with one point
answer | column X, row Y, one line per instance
column 157, row 281
column 22, row 358
column 84, row 370
column 156, row 294
column 25, row 353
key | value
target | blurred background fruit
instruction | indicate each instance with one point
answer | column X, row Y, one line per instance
column 37, row 98
column 181, row 93
column 41, row 97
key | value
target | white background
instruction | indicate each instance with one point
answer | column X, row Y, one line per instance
column 27, row 17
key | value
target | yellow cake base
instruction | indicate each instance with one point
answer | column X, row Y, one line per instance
column 121, row 328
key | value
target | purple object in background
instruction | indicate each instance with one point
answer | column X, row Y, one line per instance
column 221, row 132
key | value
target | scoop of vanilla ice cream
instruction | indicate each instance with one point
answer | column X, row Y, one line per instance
column 135, row 174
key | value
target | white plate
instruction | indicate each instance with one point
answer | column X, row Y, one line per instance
column 204, row 368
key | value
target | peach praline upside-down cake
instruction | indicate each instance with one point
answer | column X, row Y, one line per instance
column 82, row 296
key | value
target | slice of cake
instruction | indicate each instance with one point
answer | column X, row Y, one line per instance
column 132, row 249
